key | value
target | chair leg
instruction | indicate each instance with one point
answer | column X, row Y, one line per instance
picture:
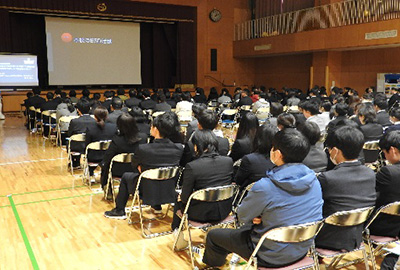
column 190, row 243
column 180, row 230
column 133, row 204
column 365, row 259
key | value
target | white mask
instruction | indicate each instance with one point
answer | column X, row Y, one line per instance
column 333, row 159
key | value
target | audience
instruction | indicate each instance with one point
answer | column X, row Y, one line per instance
column 162, row 105
column 116, row 110
column 380, row 105
column 132, row 101
column 395, row 119
column 245, row 136
column 311, row 113
column 244, row 98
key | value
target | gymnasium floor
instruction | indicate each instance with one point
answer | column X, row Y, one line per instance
column 51, row 221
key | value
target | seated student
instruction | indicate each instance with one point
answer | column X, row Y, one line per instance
column 121, row 94
column 101, row 130
column 132, row 101
column 388, row 186
column 245, row 136
column 371, row 129
column 245, row 98
column 254, row 166
column 341, row 188
column 325, row 111
column 290, row 194
column 85, row 94
column 72, row 96
column 286, row 120
column 162, row 152
column 65, row 108
column 219, row 173
column 126, row 140
column 395, row 119
column 162, row 105
column 108, row 99
column 275, row 110
column 311, row 112
column 79, row 126
column 116, row 106
column 207, row 120
column 316, row 159
column 340, row 113
column 380, row 105
column 147, row 103
column 199, row 97
column 193, row 125
column 50, row 104
column 184, row 105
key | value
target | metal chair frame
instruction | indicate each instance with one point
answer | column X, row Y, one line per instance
column 213, row 194
column 65, row 119
column 158, row 174
column 290, row 234
column 262, row 111
column 345, row 219
column 229, row 112
column 77, row 138
column 51, row 115
column 120, row 158
column 389, row 209
column 97, row 146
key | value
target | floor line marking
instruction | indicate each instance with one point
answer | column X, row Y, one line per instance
column 24, row 236
column 31, row 161
column 40, row 191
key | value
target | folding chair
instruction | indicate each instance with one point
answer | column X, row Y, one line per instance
column 263, row 114
column 291, row 234
column 48, row 123
column 240, row 196
column 63, row 121
column 154, row 186
column 93, row 146
column 345, row 219
column 371, row 151
column 213, row 194
column 229, row 117
column 74, row 138
column 31, row 117
column 380, row 241
column 124, row 158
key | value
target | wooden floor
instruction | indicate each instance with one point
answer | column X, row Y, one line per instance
column 49, row 220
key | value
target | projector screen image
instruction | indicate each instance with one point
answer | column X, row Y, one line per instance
column 18, row 70
column 92, row 52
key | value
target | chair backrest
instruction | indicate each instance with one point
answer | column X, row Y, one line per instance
column 214, row 194
column 389, row 209
column 237, row 163
column 123, row 158
column 349, row 218
column 78, row 137
column 294, row 233
column 98, row 146
column 162, row 173
column 155, row 114
column 245, row 107
column 371, row 145
column 67, row 119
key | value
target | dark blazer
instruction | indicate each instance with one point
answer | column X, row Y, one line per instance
column 245, row 101
column 94, row 134
column 192, row 127
column 162, row 107
column 388, row 191
column 253, row 167
column 144, row 128
column 372, row 131
column 107, row 104
column 160, row 153
column 50, row 105
column 78, row 126
column 147, row 104
column 392, row 127
column 132, row 102
column 240, row 148
column 218, row 173
column 383, row 118
column 35, row 101
column 200, row 99
column 189, row 153
column 341, row 192
column 393, row 99
column 316, row 159
column 171, row 102
column 112, row 117
column 119, row 145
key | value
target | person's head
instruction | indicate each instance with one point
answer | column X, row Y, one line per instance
column 326, row 106
column 247, row 126
column 205, row 141
column 36, row 91
column 286, row 120
column 263, row 140
column 120, row 92
column 138, row 114
column 366, row 113
column 390, row 145
column 83, row 106
column 146, row 93
column 108, row 94
column 186, row 96
column 224, row 92
column 276, row 109
column 161, row 98
column 367, row 97
column 96, row 96
column 29, row 94
column 314, row 91
column 132, row 93
column 116, row 103
column 395, row 115
column 245, row 92
column 380, row 103
column 311, row 131
column 127, row 127
column 167, row 126
column 100, row 114
column 208, row 119
column 289, row 146
column 49, row 95
column 63, row 95
column 344, row 143
column 197, row 108
column 310, row 108
column 86, row 93
column 72, row 93
column 341, row 109
column 213, row 92
column 200, row 91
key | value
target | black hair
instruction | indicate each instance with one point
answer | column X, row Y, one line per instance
column 276, row 109
column 63, row 95
column 311, row 106
column 293, row 145
column 72, row 93
column 395, row 113
column 120, row 91
column 83, row 106
column 169, row 127
column 138, row 114
column 117, row 103
column 208, row 119
column 205, row 141
column 213, row 93
column 390, row 139
column 127, row 127
column 367, row 110
column 132, row 93
column 381, row 102
column 96, row 96
column 57, row 91
column 286, row 120
column 197, row 108
column 246, row 91
column 311, row 131
column 349, row 140
column 86, row 93
column 49, row 95
column 327, row 106
column 248, row 126
column 108, row 94
column 36, row 91
column 100, row 114
column 161, row 98
column 186, row 96
column 342, row 109
column 263, row 140
column 146, row 93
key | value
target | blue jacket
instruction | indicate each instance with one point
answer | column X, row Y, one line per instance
column 289, row 195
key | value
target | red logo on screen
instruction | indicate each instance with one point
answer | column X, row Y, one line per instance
column 66, row 37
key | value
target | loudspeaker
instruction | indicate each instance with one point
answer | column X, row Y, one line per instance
column 213, row 59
